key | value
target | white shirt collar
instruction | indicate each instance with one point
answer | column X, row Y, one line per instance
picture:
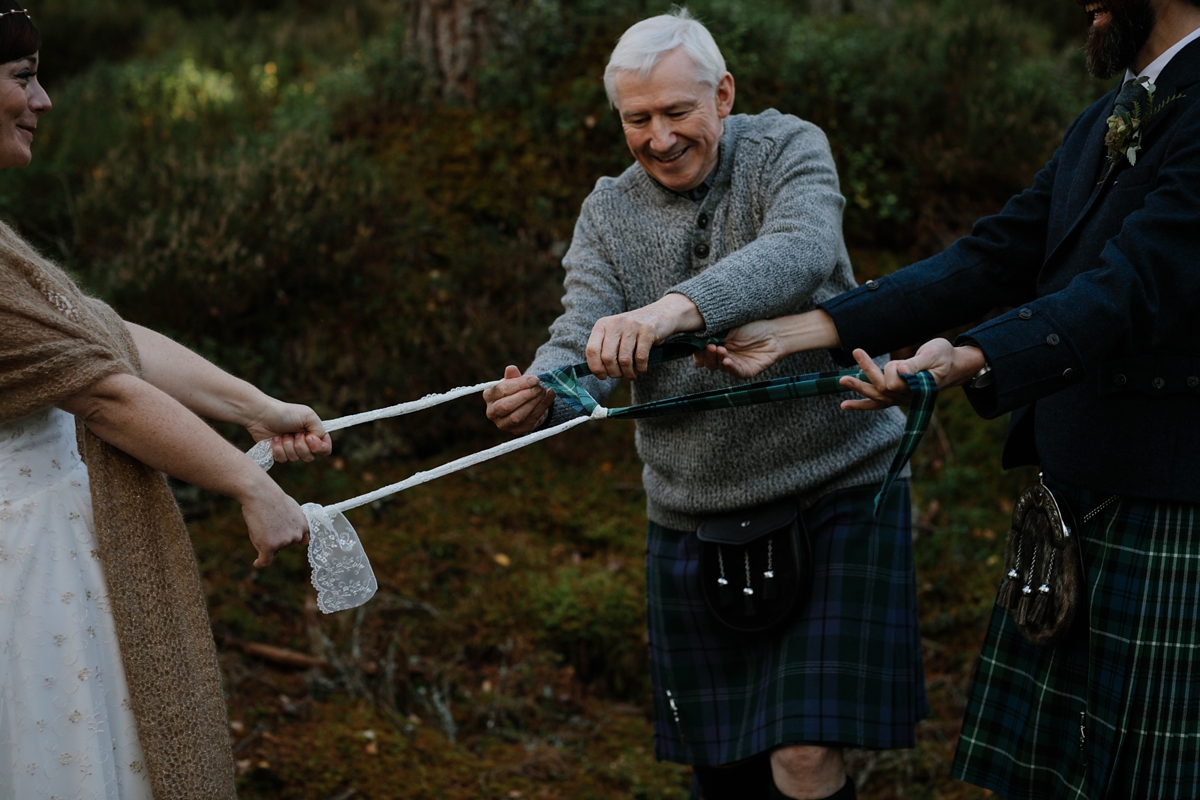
column 1159, row 64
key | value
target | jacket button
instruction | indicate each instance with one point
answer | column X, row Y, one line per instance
column 1159, row 383
column 702, row 220
column 1193, row 381
column 702, row 250
column 1025, row 313
column 1119, row 379
column 1052, row 339
column 1070, row 373
column 871, row 285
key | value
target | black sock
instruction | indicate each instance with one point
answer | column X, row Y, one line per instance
column 847, row 792
column 745, row 779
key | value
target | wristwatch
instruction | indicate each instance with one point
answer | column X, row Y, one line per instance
column 985, row 377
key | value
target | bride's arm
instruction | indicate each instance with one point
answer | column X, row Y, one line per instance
column 145, row 422
column 215, row 394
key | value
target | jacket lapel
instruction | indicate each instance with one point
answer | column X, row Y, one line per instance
column 1179, row 76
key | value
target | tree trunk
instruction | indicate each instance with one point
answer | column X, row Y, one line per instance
column 449, row 39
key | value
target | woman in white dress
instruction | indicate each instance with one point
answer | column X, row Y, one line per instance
column 69, row 722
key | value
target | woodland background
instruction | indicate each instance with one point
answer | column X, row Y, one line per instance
column 356, row 203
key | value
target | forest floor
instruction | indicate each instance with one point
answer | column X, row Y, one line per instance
column 505, row 657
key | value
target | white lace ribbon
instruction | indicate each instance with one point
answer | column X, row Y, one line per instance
column 466, row 461
column 265, row 458
column 341, row 571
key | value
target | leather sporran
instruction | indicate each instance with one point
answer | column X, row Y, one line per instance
column 1043, row 579
column 755, row 566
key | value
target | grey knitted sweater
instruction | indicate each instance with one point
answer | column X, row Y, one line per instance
column 766, row 241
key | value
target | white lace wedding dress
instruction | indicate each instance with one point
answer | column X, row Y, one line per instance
column 66, row 728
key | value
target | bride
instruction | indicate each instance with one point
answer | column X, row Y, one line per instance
column 109, row 686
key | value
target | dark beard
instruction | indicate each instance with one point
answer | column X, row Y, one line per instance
column 1113, row 49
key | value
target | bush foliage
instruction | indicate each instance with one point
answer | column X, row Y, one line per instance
column 279, row 185
column 273, row 182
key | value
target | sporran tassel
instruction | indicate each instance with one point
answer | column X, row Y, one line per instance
column 1008, row 589
column 1040, row 615
column 1025, row 604
column 748, row 592
column 768, row 586
column 725, row 593
column 1041, row 607
column 748, row 602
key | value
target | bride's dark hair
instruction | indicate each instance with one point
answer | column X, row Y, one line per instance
column 19, row 37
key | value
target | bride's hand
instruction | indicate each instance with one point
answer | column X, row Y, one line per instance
column 273, row 520
column 295, row 430
column 747, row 351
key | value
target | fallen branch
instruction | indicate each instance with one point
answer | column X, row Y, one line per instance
column 279, row 655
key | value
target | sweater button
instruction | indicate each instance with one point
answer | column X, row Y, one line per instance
column 1193, row 381
column 1119, row 379
column 1159, row 383
column 871, row 285
column 1052, row 339
column 702, row 250
column 702, row 220
column 1025, row 313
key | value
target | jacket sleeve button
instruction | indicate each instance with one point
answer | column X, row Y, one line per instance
column 1119, row 379
column 1025, row 313
column 1193, row 381
column 1159, row 383
column 1052, row 339
column 871, row 285
column 1070, row 373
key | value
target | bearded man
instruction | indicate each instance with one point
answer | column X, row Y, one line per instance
column 1099, row 362
column 725, row 219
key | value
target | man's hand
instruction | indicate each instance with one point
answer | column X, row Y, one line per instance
column 619, row 346
column 747, row 351
column 950, row 366
column 519, row 403
column 295, row 431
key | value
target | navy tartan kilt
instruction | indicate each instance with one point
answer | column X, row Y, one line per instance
column 846, row 671
column 1128, row 675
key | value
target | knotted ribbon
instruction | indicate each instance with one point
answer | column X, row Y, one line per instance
column 341, row 572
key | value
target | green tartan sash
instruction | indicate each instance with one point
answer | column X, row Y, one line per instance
column 565, row 384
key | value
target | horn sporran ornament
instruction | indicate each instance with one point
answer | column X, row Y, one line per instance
column 1043, row 576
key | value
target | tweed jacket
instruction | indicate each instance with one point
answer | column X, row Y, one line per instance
column 765, row 240
column 1098, row 358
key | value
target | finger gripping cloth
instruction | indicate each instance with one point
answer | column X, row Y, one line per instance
column 341, row 571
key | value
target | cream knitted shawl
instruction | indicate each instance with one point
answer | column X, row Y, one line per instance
column 54, row 342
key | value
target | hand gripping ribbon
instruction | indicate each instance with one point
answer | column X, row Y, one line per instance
column 341, row 572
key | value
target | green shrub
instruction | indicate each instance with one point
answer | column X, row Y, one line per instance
column 593, row 617
column 281, row 190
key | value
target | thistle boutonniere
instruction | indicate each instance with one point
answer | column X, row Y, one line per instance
column 1125, row 126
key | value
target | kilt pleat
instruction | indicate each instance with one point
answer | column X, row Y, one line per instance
column 1114, row 710
column 846, row 671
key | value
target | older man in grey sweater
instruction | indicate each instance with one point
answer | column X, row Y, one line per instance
column 723, row 220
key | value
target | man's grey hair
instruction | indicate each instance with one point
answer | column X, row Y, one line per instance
column 645, row 43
